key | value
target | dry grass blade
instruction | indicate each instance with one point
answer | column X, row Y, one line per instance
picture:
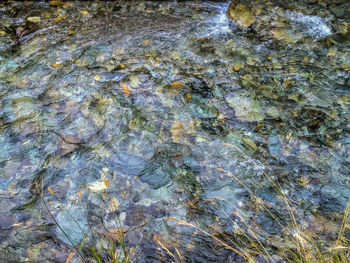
column 184, row 223
column 342, row 227
column 157, row 239
column 250, row 230
column 263, row 205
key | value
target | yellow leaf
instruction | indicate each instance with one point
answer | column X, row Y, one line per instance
column 188, row 96
column 97, row 77
column 2, row 33
column 177, row 84
column 50, row 190
column 70, row 257
column 106, row 182
column 147, row 41
column 80, row 194
column 57, row 65
column 59, row 18
column 125, row 90
column 84, row 12
column 56, row 3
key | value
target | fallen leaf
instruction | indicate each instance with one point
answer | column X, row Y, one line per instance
column 50, row 190
column 80, row 194
column 125, row 90
column 84, row 12
column 97, row 77
column 70, row 257
column 147, row 41
column 106, row 182
column 56, row 65
column 56, row 3
column 59, row 18
column 176, row 84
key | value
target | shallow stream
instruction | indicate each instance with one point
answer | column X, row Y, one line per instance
column 134, row 112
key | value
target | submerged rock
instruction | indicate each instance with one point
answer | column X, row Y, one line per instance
column 241, row 14
column 70, row 226
column 246, row 109
column 249, row 143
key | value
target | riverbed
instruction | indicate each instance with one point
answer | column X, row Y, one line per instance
column 121, row 115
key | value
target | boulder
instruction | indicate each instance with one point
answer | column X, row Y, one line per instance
column 242, row 14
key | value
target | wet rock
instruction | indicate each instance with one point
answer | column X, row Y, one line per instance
column 242, row 14
column 128, row 163
column 11, row 168
column 69, row 225
column 109, row 76
column 246, row 109
column 156, row 175
column 290, row 26
column 34, row 19
column 249, row 143
column 273, row 112
column 237, row 66
column 342, row 28
column 180, row 130
column 6, row 222
column 200, row 87
column 135, row 215
column 134, row 81
column 24, row 107
column 340, row 11
column 313, row 118
column 68, row 143
column 113, row 204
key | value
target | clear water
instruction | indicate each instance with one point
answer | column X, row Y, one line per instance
column 127, row 110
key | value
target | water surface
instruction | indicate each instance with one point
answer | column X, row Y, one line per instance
column 127, row 110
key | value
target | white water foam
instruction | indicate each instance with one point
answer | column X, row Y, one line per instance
column 313, row 26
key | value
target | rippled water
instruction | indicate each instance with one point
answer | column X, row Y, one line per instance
column 127, row 110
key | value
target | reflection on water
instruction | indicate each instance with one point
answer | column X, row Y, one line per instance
column 126, row 110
